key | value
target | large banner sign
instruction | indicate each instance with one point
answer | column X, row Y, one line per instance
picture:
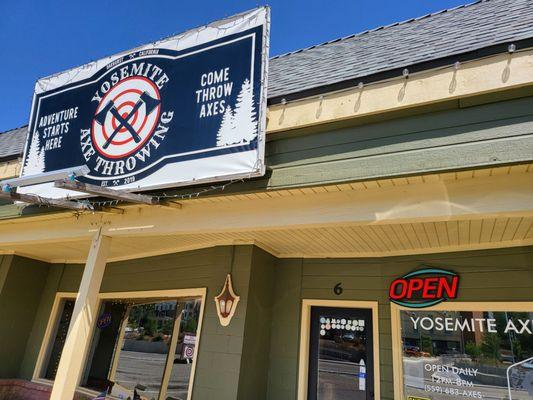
column 184, row 110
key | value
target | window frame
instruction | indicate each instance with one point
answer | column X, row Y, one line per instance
column 51, row 328
column 305, row 333
column 397, row 350
column 173, row 294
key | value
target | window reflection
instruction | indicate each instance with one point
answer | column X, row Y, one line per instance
column 343, row 363
column 474, row 354
column 131, row 344
column 145, row 346
column 178, row 386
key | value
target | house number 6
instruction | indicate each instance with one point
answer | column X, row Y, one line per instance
column 338, row 289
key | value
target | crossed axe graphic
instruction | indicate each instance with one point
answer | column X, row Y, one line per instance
column 150, row 104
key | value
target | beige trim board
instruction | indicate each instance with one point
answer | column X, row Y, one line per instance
column 504, row 195
column 51, row 328
column 116, row 354
column 168, row 250
column 410, row 252
column 171, row 353
column 299, row 254
column 304, row 339
column 270, row 250
column 397, row 350
column 481, row 76
column 10, row 169
column 180, row 294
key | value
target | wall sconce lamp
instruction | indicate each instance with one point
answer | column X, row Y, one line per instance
column 226, row 302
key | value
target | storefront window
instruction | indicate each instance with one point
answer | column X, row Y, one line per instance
column 181, row 369
column 52, row 363
column 143, row 347
column 467, row 354
column 130, row 347
column 131, row 344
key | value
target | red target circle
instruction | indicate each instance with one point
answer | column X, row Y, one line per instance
column 126, row 117
column 189, row 352
column 115, row 123
column 124, row 113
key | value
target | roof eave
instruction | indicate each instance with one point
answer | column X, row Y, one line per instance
column 488, row 51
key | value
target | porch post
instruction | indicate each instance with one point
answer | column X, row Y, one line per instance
column 71, row 363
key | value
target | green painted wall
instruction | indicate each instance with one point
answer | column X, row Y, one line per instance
column 285, row 330
column 253, row 377
column 19, row 300
column 5, row 264
column 488, row 275
column 222, row 358
column 257, row 355
column 435, row 140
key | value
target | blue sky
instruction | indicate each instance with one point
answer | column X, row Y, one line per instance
column 40, row 38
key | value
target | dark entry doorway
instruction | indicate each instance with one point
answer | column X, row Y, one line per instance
column 341, row 358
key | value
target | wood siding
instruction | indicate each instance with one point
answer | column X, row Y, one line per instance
column 19, row 300
column 478, row 136
column 253, row 377
column 257, row 354
column 219, row 358
column 488, row 134
column 491, row 275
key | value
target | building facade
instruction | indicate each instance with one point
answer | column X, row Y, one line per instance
column 404, row 148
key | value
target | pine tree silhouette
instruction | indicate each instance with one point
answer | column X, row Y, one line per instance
column 245, row 116
column 239, row 126
column 225, row 135
column 35, row 157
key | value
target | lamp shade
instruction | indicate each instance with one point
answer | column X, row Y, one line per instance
column 226, row 302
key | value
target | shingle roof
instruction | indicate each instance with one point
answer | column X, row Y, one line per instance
column 431, row 37
column 443, row 34
column 12, row 142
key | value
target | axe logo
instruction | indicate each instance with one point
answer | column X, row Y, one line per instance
column 126, row 117
column 127, row 127
column 166, row 114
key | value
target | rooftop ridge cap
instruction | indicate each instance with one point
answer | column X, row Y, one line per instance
column 14, row 129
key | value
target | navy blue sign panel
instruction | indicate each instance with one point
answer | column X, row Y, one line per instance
column 189, row 109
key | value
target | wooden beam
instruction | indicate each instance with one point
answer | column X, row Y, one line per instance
column 112, row 210
column 59, row 203
column 82, row 322
column 170, row 204
column 50, row 176
column 106, row 192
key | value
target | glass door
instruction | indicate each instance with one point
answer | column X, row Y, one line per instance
column 341, row 355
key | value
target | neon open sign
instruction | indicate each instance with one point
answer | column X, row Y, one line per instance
column 424, row 288
column 104, row 320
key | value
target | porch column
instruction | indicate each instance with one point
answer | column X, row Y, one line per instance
column 71, row 363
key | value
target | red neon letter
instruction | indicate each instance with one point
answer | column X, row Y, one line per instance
column 450, row 289
column 414, row 285
column 403, row 287
column 430, row 286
